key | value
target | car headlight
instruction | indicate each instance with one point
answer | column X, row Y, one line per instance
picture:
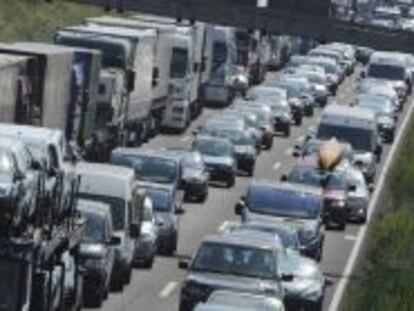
column 193, row 290
column 313, row 288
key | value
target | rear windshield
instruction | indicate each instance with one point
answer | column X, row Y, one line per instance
column 389, row 72
column 283, row 203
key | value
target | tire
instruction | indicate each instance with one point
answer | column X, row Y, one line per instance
column 172, row 247
column 286, row 132
column 127, row 276
column 148, row 263
column 298, row 121
column 341, row 226
column 230, row 181
column 269, row 144
column 250, row 172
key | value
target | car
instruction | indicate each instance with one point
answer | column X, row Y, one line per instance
column 317, row 80
column 359, row 195
column 217, row 307
column 97, row 251
column 329, row 53
column 249, row 301
column 386, row 114
column 118, row 187
column 232, row 261
column 333, row 71
column 357, row 126
column 218, row 155
column 306, row 291
column 167, row 207
column 334, row 185
column 195, row 174
column 268, row 92
column 154, row 166
column 147, row 245
column 244, row 149
column 298, row 205
column 20, row 183
column 381, row 88
column 303, row 90
column 264, row 119
column 294, row 99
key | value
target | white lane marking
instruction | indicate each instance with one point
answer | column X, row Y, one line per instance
column 224, row 226
column 289, row 151
column 300, row 138
column 276, row 166
column 185, row 138
column 168, row 289
column 352, row 259
column 349, row 237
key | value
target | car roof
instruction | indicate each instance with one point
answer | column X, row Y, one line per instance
column 260, row 240
column 350, row 112
column 32, row 133
column 109, row 170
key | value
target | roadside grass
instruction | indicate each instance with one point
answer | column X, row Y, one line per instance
column 386, row 279
column 36, row 20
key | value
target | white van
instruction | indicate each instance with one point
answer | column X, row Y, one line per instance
column 357, row 126
column 116, row 186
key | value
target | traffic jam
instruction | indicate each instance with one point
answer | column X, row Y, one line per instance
column 244, row 190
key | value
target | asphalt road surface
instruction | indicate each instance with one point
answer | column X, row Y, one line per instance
column 158, row 289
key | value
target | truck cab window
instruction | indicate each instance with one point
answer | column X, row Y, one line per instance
column 179, row 63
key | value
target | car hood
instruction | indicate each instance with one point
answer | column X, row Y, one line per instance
column 211, row 160
column 232, row 282
column 190, row 173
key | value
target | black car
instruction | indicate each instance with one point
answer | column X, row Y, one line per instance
column 195, row 174
column 97, row 251
column 296, row 205
column 218, row 155
column 233, row 261
column 282, row 116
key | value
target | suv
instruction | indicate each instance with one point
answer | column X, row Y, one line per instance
column 297, row 205
column 97, row 251
column 117, row 187
column 229, row 261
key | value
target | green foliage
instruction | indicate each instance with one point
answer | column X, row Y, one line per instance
column 387, row 280
column 36, row 20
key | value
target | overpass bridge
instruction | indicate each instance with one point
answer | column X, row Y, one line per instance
column 310, row 18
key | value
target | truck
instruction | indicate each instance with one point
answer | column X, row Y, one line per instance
column 199, row 55
column 53, row 86
column 39, row 256
column 171, row 68
column 125, row 107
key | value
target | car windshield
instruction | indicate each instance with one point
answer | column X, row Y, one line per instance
column 237, row 137
column 283, row 203
column 215, row 148
column 361, row 139
column 179, row 63
column 377, row 103
column 11, row 279
column 150, row 168
column 117, row 205
column 312, row 176
column 161, row 199
column 6, row 163
column 293, row 89
column 94, row 226
column 237, row 260
column 385, row 71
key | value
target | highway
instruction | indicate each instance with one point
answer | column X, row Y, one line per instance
column 158, row 289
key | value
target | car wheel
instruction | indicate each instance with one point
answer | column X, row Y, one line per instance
column 172, row 246
column 128, row 275
column 148, row 263
column 316, row 306
column 342, row 226
column 286, row 132
column 298, row 121
column 230, row 181
column 269, row 144
column 250, row 172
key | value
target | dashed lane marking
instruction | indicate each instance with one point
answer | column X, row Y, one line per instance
column 168, row 289
column 224, row 226
column 349, row 237
column 289, row 151
column 276, row 166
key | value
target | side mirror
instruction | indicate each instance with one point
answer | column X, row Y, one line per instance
column 131, row 80
column 238, row 209
column 283, row 178
column 135, row 230
column 287, row 277
column 184, row 264
column 179, row 211
column 114, row 241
